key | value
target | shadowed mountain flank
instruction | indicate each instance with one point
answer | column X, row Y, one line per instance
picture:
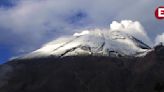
column 85, row 74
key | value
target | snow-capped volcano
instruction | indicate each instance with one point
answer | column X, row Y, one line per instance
column 122, row 39
column 94, row 43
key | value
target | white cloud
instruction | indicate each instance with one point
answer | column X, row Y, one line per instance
column 33, row 22
column 159, row 39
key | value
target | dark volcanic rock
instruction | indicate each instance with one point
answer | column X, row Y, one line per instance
column 85, row 74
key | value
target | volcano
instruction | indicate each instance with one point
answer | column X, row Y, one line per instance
column 90, row 61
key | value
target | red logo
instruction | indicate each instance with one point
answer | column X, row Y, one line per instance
column 159, row 12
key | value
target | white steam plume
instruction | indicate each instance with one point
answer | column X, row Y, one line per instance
column 159, row 39
column 133, row 28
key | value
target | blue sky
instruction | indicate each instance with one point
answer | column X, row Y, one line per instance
column 25, row 25
column 5, row 53
column 5, row 3
column 5, row 50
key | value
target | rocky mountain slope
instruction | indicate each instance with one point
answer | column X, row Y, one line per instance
column 85, row 74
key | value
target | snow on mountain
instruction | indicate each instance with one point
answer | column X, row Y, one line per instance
column 122, row 39
column 95, row 43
